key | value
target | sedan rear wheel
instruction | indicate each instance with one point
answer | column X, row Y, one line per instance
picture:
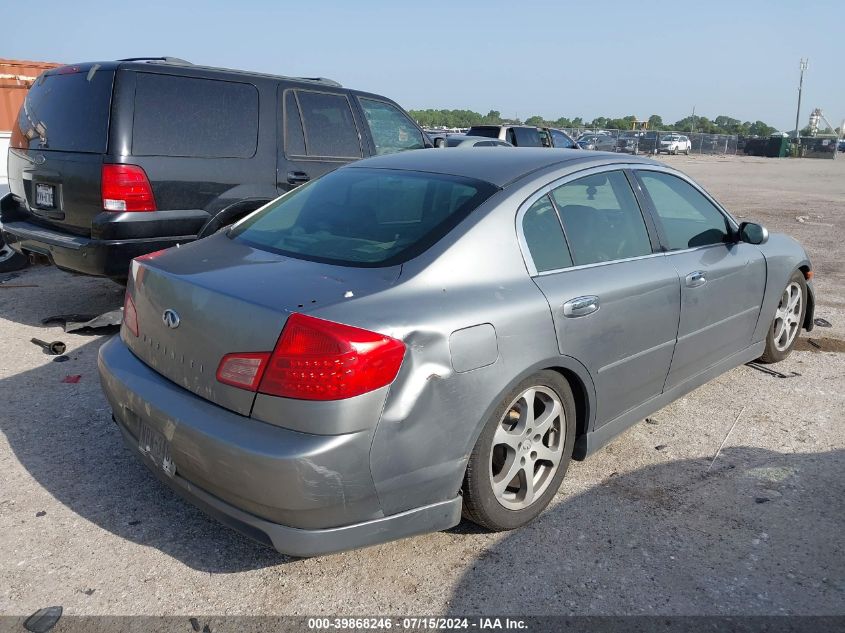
column 522, row 454
column 788, row 320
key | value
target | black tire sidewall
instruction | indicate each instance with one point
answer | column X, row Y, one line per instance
column 481, row 505
column 15, row 262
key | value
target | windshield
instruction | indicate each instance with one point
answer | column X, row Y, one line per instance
column 66, row 112
column 363, row 217
column 669, row 138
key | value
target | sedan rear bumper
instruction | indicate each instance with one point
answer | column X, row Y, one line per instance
column 303, row 494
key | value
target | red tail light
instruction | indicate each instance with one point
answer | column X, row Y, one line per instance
column 242, row 370
column 318, row 360
column 130, row 315
column 126, row 188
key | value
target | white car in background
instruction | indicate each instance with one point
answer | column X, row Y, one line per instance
column 674, row 144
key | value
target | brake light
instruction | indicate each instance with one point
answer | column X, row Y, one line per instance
column 242, row 370
column 130, row 315
column 126, row 188
column 317, row 360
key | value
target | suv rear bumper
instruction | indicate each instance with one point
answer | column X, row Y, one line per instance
column 104, row 258
column 116, row 238
column 301, row 493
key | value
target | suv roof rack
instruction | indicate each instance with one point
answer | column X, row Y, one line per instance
column 167, row 60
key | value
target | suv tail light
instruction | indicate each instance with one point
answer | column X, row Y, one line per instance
column 130, row 315
column 126, row 188
column 317, row 360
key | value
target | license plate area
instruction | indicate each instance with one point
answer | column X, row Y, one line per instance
column 154, row 446
column 45, row 196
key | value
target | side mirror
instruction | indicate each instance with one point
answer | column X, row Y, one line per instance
column 753, row 233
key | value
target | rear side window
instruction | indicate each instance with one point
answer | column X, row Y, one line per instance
column 601, row 218
column 526, row 137
column 392, row 131
column 689, row 219
column 544, row 237
column 330, row 130
column 294, row 136
column 66, row 112
column 363, row 217
column 186, row 116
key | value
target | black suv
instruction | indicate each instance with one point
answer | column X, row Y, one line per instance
column 112, row 160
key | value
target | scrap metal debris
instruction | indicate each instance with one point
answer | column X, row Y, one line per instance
column 56, row 348
column 43, row 620
column 93, row 322
column 822, row 322
column 771, row 372
column 814, row 343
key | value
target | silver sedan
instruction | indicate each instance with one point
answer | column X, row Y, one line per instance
column 428, row 334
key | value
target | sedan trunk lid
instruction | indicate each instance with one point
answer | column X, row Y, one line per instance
column 222, row 296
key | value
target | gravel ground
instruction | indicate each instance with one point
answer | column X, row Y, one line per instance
column 644, row 526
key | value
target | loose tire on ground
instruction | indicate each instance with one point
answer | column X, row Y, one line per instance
column 521, row 440
column 10, row 259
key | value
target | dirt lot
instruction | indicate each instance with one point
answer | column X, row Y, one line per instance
column 641, row 527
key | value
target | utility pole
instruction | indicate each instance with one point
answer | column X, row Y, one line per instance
column 803, row 66
column 692, row 125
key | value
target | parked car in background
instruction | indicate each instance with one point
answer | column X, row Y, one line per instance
column 516, row 135
column 553, row 137
column 462, row 140
column 340, row 368
column 600, row 142
column 674, row 144
column 112, row 160
column 628, row 143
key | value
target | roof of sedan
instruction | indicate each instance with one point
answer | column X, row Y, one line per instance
column 497, row 165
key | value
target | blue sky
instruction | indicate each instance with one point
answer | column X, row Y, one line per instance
column 555, row 59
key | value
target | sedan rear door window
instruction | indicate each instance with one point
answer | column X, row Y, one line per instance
column 602, row 219
column 689, row 219
column 544, row 237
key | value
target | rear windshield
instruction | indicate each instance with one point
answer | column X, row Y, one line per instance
column 363, row 217
column 66, row 112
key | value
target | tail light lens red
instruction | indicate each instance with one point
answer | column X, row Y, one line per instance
column 317, row 360
column 126, row 188
column 130, row 315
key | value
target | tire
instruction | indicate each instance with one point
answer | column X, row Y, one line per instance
column 787, row 321
column 686, row 152
column 510, row 444
column 10, row 259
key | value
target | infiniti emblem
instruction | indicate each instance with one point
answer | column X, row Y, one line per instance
column 171, row 319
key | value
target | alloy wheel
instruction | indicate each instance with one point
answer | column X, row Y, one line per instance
column 787, row 317
column 527, row 447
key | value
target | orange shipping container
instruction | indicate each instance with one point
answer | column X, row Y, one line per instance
column 16, row 76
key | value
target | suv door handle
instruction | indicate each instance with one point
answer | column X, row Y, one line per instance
column 297, row 177
column 580, row 306
column 697, row 278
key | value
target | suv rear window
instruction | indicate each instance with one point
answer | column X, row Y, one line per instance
column 191, row 117
column 363, row 217
column 66, row 112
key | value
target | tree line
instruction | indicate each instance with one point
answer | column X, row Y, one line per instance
column 720, row 125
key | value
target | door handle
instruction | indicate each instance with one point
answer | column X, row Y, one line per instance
column 580, row 306
column 695, row 279
column 297, row 177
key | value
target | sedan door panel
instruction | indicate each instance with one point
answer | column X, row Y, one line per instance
column 627, row 343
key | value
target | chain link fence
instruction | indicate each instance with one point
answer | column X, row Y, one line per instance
column 654, row 141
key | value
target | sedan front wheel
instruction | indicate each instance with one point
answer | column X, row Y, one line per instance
column 522, row 454
column 788, row 320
